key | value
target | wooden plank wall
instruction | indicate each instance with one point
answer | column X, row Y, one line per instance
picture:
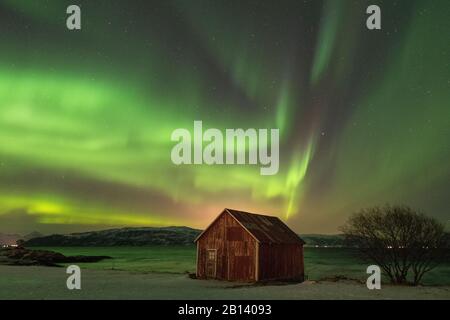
column 227, row 235
column 242, row 245
column 281, row 261
column 213, row 238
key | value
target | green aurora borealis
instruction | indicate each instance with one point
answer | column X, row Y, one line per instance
column 86, row 116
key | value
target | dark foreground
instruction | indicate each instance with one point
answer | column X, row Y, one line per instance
column 36, row 282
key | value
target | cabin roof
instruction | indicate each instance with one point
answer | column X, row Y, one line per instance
column 265, row 229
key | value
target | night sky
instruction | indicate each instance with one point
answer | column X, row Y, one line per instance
column 86, row 116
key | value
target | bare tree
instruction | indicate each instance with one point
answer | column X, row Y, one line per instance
column 398, row 239
column 430, row 249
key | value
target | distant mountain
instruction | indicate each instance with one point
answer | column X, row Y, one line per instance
column 148, row 236
column 120, row 237
column 32, row 235
column 144, row 237
column 322, row 240
column 10, row 239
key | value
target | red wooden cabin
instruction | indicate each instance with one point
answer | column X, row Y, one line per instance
column 248, row 247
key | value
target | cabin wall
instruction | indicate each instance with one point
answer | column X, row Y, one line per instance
column 236, row 251
column 213, row 238
column 242, row 252
column 281, row 261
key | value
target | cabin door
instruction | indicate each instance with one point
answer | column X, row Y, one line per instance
column 211, row 263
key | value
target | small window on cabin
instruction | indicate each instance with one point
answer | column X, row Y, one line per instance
column 211, row 254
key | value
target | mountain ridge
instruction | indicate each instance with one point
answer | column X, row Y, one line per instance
column 128, row 236
column 142, row 236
